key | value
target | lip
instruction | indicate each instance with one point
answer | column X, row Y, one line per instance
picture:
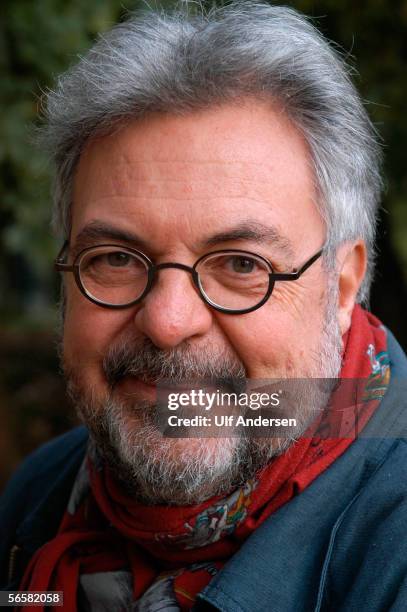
column 130, row 385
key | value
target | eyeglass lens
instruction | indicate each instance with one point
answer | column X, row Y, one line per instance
column 113, row 276
column 235, row 281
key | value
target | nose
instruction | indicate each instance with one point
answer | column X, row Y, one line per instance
column 173, row 310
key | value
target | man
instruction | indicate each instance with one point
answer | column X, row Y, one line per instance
column 217, row 183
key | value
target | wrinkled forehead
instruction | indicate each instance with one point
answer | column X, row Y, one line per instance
column 183, row 177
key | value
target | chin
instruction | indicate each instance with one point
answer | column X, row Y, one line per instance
column 150, row 439
column 175, row 471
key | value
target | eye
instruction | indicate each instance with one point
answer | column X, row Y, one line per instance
column 118, row 259
column 242, row 264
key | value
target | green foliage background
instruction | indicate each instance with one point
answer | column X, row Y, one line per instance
column 41, row 38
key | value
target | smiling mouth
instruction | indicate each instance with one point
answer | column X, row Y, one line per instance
column 130, row 385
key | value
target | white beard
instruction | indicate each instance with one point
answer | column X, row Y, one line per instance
column 186, row 471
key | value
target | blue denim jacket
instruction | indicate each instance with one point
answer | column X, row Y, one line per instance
column 341, row 545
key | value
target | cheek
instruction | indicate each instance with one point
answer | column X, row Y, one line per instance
column 260, row 341
column 88, row 331
column 274, row 339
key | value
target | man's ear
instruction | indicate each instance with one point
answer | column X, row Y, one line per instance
column 351, row 261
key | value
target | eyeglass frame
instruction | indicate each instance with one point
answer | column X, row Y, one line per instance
column 152, row 270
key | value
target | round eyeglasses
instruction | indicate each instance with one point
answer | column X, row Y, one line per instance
column 231, row 280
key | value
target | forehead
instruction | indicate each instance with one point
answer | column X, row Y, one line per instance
column 176, row 178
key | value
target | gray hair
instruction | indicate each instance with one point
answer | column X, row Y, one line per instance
column 178, row 61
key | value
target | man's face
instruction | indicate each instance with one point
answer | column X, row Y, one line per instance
column 175, row 188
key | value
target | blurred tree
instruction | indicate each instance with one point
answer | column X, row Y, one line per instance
column 373, row 35
column 38, row 40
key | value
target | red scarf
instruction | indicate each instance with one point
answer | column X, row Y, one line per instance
column 109, row 532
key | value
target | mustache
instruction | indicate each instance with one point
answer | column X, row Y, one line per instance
column 150, row 364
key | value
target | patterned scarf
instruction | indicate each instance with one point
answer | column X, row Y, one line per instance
column 113, row 553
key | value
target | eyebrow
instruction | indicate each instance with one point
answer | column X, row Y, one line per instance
column 254, row 231
column 98, row 230
column 250, row 230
